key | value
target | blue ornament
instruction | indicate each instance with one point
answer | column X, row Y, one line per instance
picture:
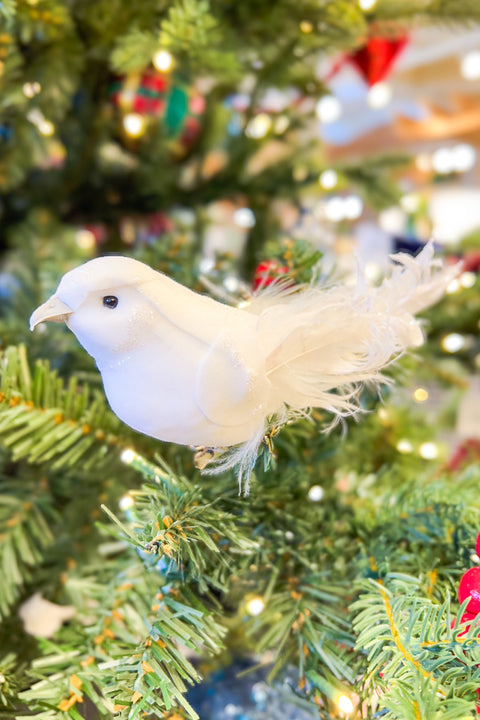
column 6, row 132
column 232, row 694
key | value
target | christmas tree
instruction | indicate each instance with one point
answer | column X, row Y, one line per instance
column 183, row 134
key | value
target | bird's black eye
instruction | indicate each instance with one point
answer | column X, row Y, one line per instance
column 110, row 301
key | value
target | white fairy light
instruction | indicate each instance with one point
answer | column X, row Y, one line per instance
column 453, row 286
column 470, row 65
column 30, row 89
column 46, row 128
column 468, row 279
column 163, row 60
column 255, row 606
column 328, row 179
column 258, row 126
column 453, row 342
column 345, row 705
column 128, row 456
column 134, row 124
column 443, row 161
column 428, row 450
column 244, row 217
column 352, row 207
column 463, row 157
column 328, row 109
column 379, row 95
column 125, row 502
column 334, row 209
column 206, row 264
column 367, row 4
column 404, row 446
column 315, row 493
column 231, row 283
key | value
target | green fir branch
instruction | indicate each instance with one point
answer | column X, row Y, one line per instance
column 25, row 535
column 43, row 421
column 409, row 641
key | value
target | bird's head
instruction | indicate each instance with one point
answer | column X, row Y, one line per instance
column 105, row 303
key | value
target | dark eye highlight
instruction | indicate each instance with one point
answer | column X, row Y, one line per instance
column 110, row 301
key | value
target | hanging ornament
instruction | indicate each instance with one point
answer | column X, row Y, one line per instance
column 469, row 587
column 375, row 59
column 43, row 618
column 156, row 95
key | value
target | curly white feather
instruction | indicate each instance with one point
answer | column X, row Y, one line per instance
column 321, row 345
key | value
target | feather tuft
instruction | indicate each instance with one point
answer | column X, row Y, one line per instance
column 323, row 344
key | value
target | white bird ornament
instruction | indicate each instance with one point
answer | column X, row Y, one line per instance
column 185, row 368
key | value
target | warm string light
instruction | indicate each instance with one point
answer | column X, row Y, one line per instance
column 453, row 342
column 44, row 126
column 128, row 456
column 420, row 395
column 258, row 126
column 345, row 705
column 367, row 5
column 85, row 239
column 163, row 61
column 30, row 89
column 255, row 606
column 328, row 179
column 428, row 451
column 306, row 26
column 404, row 446
column 125, row 502
column 134, row 124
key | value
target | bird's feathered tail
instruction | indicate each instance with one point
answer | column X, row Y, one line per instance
column 322, row 344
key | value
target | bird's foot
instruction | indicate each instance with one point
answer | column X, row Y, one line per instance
column 203, row 456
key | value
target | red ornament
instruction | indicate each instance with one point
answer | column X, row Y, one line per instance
column 466, row 618
column 469, row 587
column 143, row 94
column 477, row 545
column 466, row 453
column 177, row 104
column 267, row 272
column 471, row 261
column 375, row 59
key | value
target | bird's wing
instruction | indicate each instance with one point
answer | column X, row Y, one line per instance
column 231, row 384
column 232, row 387
column 324, row 340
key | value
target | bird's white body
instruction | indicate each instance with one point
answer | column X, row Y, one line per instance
column 185, row 368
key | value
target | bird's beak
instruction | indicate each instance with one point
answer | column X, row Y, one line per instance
column 54, row 310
